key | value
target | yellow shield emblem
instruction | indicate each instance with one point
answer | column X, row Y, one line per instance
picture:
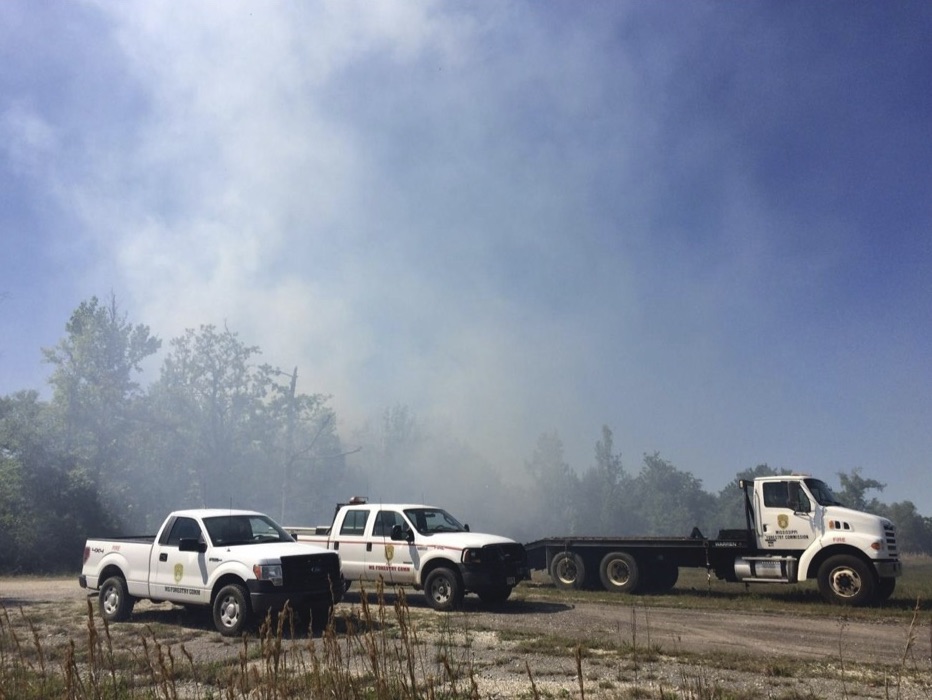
column 179, row 572
column 389, row 552
column 783, row 521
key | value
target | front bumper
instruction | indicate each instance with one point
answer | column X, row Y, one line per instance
column 888, row 569
column 265, row 596
column 476, row 578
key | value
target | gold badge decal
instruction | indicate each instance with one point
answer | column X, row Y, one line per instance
column 783, row 521
column 179, row 572
column 389, row 552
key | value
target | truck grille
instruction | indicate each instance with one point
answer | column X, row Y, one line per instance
column 889, row 532
column 510, row 553
column 311, row 573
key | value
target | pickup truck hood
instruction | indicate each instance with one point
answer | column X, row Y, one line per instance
column 268, row 552
column 461, row 540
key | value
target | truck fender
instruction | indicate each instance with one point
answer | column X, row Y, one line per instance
column 116, row 564
column 433, row 563
column 812, row 559
column 805, row 564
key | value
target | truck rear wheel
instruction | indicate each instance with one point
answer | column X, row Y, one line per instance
column 232, row 613
column 443, row 590
column 846, row 580
column 116, row 604
column 567, row 571
column 619, row 573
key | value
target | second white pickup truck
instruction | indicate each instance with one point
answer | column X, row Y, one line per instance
column 239, row 563
column 420, row 546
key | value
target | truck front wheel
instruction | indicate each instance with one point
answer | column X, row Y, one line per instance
column 116, row 604
column 443, row 590
column 619, row 572
column 567, row 571
column 231, row 610
column 846, row 580
column 885, row 588
column 495, row 596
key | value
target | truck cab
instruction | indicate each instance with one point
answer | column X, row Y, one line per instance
column 422, row 546
column 802, row 531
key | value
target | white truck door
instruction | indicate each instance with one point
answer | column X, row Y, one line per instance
column 786, row 520
column 397, row 560
column 349, row 540
column 175, row 575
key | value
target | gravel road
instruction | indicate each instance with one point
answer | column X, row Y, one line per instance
column 691, row 644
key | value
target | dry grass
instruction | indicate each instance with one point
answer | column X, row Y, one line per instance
column 382, row 650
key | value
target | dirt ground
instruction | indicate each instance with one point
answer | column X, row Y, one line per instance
column 751, row 654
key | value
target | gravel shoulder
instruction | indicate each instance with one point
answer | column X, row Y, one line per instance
column 814, row 657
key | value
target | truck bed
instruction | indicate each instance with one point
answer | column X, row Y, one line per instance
column 684, row 551
column 140, row 539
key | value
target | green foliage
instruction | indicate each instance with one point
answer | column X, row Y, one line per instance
column 218, row 428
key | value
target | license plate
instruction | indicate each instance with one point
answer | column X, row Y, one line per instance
column 510, row 580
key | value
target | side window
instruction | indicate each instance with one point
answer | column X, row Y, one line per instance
column 798, row 499
column 384, row 521
column 775, row 495
column 184, row 528
column 354, row 522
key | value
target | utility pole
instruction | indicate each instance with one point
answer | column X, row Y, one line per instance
column 289, row 439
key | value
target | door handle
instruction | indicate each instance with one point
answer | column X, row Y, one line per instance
column 368, row 546
column 163, row 556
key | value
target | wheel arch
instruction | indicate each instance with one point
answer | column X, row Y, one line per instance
column 108, row 571
column 226, row 580
column 809, row 569
column 438, row 563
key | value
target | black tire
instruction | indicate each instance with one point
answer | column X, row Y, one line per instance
column 443, row 590
column 232, row 613
column 620, row 573
column 495, row 596
column 662, row 576
column 116, row 604
column 885, row 588
column 846, row 580
column 567, row 571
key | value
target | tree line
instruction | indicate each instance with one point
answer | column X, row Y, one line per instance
column 105, row 455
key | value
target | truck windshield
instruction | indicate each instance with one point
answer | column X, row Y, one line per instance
column 822, row 493
column 428, row 521
column 228, row 530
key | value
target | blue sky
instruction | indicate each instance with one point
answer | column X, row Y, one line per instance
column 705, row 225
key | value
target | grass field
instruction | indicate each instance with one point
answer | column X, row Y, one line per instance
column 387, row 651
column 696, row 590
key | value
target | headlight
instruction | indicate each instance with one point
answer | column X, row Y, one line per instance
column 472, row 556
column 268, row 572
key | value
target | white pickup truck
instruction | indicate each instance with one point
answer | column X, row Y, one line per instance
column 420, row 546
column 238, row 562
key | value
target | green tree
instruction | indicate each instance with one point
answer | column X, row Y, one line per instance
column 48, row 505
column 207, row 397
column 95, row 393
column 854, row 488
column 669, row 501
column 555, row 484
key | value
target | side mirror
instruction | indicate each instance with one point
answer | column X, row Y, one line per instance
column 189, row 544
column 466, row 527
